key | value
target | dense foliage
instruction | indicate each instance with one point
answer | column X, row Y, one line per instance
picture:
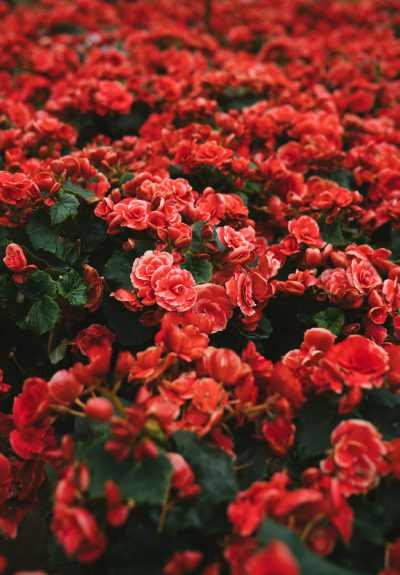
column 200, row 287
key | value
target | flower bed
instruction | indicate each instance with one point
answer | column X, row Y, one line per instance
column 200, row 287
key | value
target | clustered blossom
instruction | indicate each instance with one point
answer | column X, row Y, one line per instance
column 200, row 283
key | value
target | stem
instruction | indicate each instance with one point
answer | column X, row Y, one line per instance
column 164, row 510
column 207, row 14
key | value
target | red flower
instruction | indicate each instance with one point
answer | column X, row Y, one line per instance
column 16, row 261
column 112, row 97
column 94, row 286
column 358, row 457
column 78, row 532
column 94, row 340
column 16, row 189
column 241, row 243
column 306, row 231
column 143, row 270
column 212, row 302
column 183, row 562
column 64, row 387
column 31, row 419
column 129, row 300
column 240, row 291
column 130, row 213
column 275, row 559
column 356, row 362
column 174, row 288
column 224, row 365
column 363, row 276
column 183, row 479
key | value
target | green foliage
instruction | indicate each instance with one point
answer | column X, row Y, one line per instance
column 331, row 318
column 66, row 206
column 87, row 195
column 200, row 269
column 316, row 421
column 43, row 236
column 118, row 269
column 310, row 563
column 72, row 289
column 144, row 482
column 40, row 284
column 42, row 316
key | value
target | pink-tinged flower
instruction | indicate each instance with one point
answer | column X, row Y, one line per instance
column 174, row 288
column 306, row 231
column 16, row 189
column 363, row 276
column 213, row 302
column 358, row 456
column 240, row 291
column 129, row 300
column 130, row 213
column 356, row 362
column 143, row 270
column 240, row 243
column 16, row 261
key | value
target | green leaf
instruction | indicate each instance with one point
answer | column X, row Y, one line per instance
column 344, row 178
column 91, row 232
column 200, row 269
column 143, row 481
column 310, row 563
column 66, row 206
column 87, row 195
column 331, row 233
column 39, row 285
column 72, row 288
column 42, row 235
column 127, row 177
column 42, row 316
column 212, row 467
column 331, row 318
column 118, row 268
column 316, row 421
column 125, row 324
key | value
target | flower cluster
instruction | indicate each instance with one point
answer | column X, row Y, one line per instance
column 200, row 286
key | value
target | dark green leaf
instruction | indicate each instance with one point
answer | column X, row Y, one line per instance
column 310, row 563
column 143, row 481
column 331, row 318
column 201, row 270
column 66, row 206
column 118, row 269
column 39, row 285
column 125, row 324
column 316, row 421
column 127, row 177
column 212, row 467
column 42, row 316
column 87, row 195
column 332, row 233
column 42, row 235
column 72, row 288
column 92, row 233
